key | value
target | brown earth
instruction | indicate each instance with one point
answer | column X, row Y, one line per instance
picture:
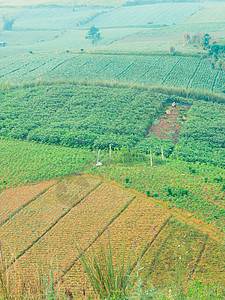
column 169, row 125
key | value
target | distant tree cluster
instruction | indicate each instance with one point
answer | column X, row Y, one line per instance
column 215, row 51
column 203, row 40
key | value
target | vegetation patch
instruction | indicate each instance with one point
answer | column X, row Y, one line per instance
column 74, row 116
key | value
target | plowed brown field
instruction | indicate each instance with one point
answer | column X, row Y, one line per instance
column 82, row 212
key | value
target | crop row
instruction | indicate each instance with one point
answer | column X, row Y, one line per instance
column 23, row 162
column 159, row 14
column 32, row 222
column 13, row 200
column 135, row 228
column 202, row 138
column 213, row 255
column 150, row 70
column 179, row 247
column 79, row 228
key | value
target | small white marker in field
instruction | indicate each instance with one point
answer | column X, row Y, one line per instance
column 151, row 157
column 110, row 150
column 162, row 153
column 98, row 162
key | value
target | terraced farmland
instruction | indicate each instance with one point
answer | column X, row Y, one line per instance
column 195, row 188
column 149, row 70
column 80, row 212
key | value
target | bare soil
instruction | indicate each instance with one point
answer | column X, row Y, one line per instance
column 169, row 125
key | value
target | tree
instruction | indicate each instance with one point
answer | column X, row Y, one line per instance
column 187, row 38
column 8, row 22
column 94, row 35
column 172, row 50
column 205, row 40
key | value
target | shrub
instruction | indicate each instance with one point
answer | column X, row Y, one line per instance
column 107, row 274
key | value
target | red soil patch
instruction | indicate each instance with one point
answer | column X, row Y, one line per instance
column 169, row 125
column 13, row 199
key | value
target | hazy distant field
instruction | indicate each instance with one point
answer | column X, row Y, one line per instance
column 154, row 14
column 211, row 13
column 63, row 2
column 141, row 28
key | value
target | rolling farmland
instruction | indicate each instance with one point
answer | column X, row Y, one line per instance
column 145, row 95
column 149, row 70
column 86, row 210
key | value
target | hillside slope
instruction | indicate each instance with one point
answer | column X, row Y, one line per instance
column 79, row 211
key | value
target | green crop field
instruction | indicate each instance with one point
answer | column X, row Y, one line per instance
column 74, row 116
column 203, row 136
column 22, row 162
column 152, row 27
column 93, row 117
column 187, row 72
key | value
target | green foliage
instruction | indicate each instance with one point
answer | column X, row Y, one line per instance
column 107, row 274
column 198, row 290
column 23, row 162
column 177, row 192
column 94, row 35
column 92, row 117
column 202, row 138
column 173, row 182
column 118, row 67
column 155, row 144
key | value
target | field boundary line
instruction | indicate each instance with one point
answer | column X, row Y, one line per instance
column 152, row 65
column 215, row 80
column 189, row 84
column 96, row 238
column 199, row 257
column 127, row 68
column 52, row 225
column 171, row 70
column 58, row 65
column 13, row 71
column 105, row 67
column 26, row 204
column 149, row 244
column 43, row 64
column 8, row 65
column 159, row 250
